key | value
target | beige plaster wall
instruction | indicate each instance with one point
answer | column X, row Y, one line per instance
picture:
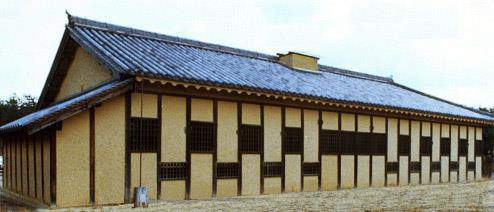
column 444, row 130
column 414, row 178
column 347, row 122
column 311, row 183
column 379, row 124
column 444, row 169
column 363, row 123
column 292, row 173
column 272, row 134
column 201, row 110
column 462, row 170
column 173, row 123
column 426, row 129
column 148, row 177
column 392, row 140
column 478, row 133
column 471, row 144
column 436, row 139
column 363, row 167
column 201, row 175
column 403, row 170
column 478, row 168
column 226, row 187
column 251, row 175
column 415, row 142
column 329, row 172
column 426, row 168
column 330, row 120
column 311, row 136
column 454, row 143
column 149, row 105
column 404, row 127
column 272, row 185
column 293, row 117
column 174, row 189
column 227, row 132
column 251, row 114
column 378, row 164
column 347, row 171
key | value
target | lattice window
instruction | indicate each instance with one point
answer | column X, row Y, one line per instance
column 404, row 145
column 453, row 165
column 463, row 147
column 329, row 141
column 149, row 139
column 436, row 166
column 227, row 170
column 415, row 167
column 311, row 169
column 471, row 166
column 392, row 167
column 379, row 144
column 478, row 147
column 201, row 136
column 347, row 142
column 445, row 146
column 250, row 139
column 293, row 140
column 272, row 169
column 426, row 146
column 173, row 171
column 363, row 143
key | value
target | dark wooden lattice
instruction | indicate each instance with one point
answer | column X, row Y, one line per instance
column 347, row 141
column 311, row 169
column 426, row 146
column 415, row 167
column 227, row 170
column 201, row 136
column 471, row 166
column 478, row 147
column 173, row 171
column 250, row 138
column 293, row 140
column 150, row 138
column 404, row 145
column 363, row 144
column 436, row 166
column 445, row 146
column 463, row 147
column 379, row 143
column 392, row 167
column 272, row 169
column 329, row 141
column 453, row 165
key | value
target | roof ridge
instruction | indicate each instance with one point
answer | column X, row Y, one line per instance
column 84, row 22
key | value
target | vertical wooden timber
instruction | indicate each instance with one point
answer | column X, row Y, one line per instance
column 158, row 154
column 420, row 152
column 282, row 149
column 127, row 148
column 302, row 160
column 239, row 153
column 187, row 147
column 410, row 149
column 319, row 156
column 355, row 155
column 261, row 171
column 53, row 168
column 91, row 155
column 398, row 151
column 339, row 151
column 215, row 145
column 371, row 155
column 386, row 152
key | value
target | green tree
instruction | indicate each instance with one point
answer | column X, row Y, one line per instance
column 16, row 107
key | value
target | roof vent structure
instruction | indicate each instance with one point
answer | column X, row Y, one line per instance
column 299, row 61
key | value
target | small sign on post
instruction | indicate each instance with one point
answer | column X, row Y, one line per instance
column 140, row 197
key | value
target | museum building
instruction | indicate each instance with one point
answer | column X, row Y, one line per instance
column 123, row 108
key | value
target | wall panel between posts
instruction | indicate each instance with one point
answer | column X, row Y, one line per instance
column 227, row 132
column 425, row 176
column 462, row 171
column 31, row 170
column 445, row 128
column 347, row 162
column 329, row 172
column 149, row 105
column 173, row 123
column 403, row 178
column 436, row 139
column 251, row 114
column 478, row 158
column 392, row 153
column 173, row 190
column 109, row 152
column 378, row 162
column 363, row 161
column 272, row 185
column 226, row 188
column 46, row 168
column 311, row 146
column 330, row 120
column 146, row 174
column 251, row 174
column 72, row 153
column 272, row 146
column 454, row 152
column 292, row 173
column 471, row 152
column 404, row 126
column 201, row 176
column 39, row 178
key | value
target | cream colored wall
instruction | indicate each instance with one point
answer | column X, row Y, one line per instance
column 201, row 110
column 462, row 169
column 471, row 144
column 227, row 132
column 436, row 139
column 329, row 172
column 347, row 122
column 379, row 124
column 311, row 183
column 347, row 171
column 293, row 117
column 425, row 170
column 435, row 177
column 363, row 123
column 330, row 120
column 46, row 170
column 454, row 176
column 292, row 173
column 272, row 185
column 83, row 73
column 478, row 168
column 148, row 178
column 403, row 170
column 478, row 133
column 414, row 178
column 201, row 176
column 251, row 174
column 149, row 105
column 404, row 127
column 463, row 132
column 444, row 130
column 301, row 62
column 415, row 142
column 392, row 140
column 173, row 123
column 226, row 187
column 426, row 129
column 470, row 176
column 72, row 151
column 363, row 171
column 454, row 143
column 251, row 114
column 174, row 189
column 311, row 136
column 444, row 169
column 392, row 179
column 272, row 134
column 109, row 127
column 378, row 164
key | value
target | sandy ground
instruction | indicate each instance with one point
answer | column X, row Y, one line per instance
column 478, row 196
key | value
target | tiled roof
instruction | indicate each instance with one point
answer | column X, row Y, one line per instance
column 142, row 53
column 80, row 102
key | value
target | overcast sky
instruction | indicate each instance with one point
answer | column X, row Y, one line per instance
column 444, row 48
